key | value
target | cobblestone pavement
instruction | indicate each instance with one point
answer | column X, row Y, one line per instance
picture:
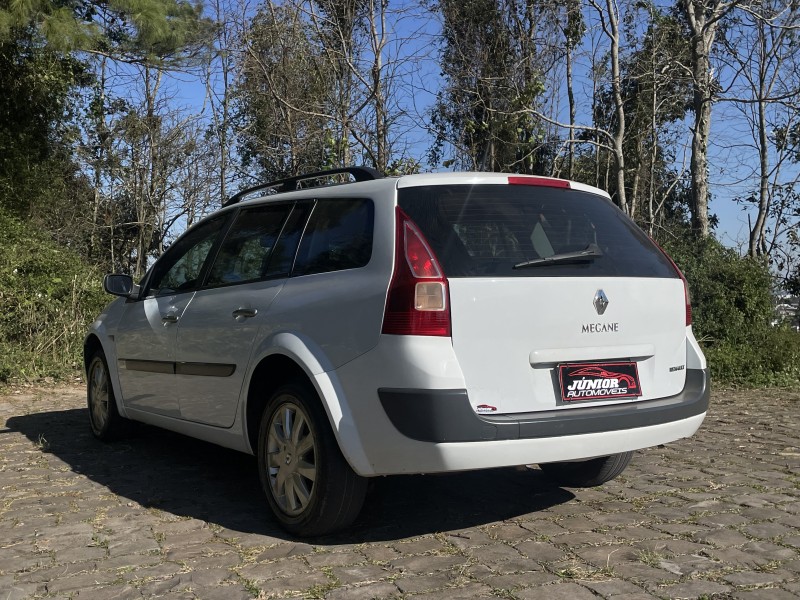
column 159, row 515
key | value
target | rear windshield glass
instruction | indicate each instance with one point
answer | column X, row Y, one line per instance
column 506, row 231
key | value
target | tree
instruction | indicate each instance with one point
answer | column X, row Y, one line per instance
column 491, row 81
column 761, row 40
column 284, row 119
column 703, row 18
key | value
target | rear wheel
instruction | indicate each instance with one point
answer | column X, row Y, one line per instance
column 308, row 483
column 587, row 473
column 107, row 424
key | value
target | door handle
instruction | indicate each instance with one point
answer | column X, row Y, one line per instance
column 169, row 318
column 245, row 312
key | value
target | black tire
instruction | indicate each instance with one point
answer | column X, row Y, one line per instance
column 309, row 486
column 587, row 473
column 104, row 418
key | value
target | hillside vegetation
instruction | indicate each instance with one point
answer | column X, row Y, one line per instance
column 48, row 296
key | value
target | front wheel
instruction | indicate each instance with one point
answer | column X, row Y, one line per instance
column 106, row 422
column 308, row 483
column 587, row 473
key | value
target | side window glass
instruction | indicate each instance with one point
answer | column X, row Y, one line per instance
column 179, row 269
column 245, row 253
column 280, row 263
column 338, row 236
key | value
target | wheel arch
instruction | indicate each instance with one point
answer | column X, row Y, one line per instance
column 91, row 345
column 291, row 359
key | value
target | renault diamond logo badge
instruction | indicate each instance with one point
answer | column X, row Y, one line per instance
column 600, row 302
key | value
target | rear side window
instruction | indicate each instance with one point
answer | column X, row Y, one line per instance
column 338, row 236
column 245, row 254
column 488, row 230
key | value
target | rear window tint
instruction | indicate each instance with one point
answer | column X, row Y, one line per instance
column 485, row 230
column 338, row 236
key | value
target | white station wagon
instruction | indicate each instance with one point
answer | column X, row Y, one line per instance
column 416, row 324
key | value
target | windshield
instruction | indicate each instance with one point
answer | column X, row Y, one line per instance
column 495, row 230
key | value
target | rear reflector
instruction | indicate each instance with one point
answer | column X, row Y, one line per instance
column 539, row 181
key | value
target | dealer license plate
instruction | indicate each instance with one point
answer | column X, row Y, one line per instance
column 599, row 381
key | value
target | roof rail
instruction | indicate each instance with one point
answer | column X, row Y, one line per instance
column 290, row 183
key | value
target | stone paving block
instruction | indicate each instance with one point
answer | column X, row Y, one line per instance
column 688, row 565
column 420, row 546
column 111, row 592
column 285, row 567
column 380, row 553
column 721, row 538
column 427, row 564
column 576, row 540
column 425, row 583
column 332, row 559
column 496, row 553
column 672, row 547
column 578, row 524
column 642, row 573
column 694, row 589
column 609, row 556
column 765, row 594
column 462, row 592
column 161, row 570
column 360, row 574
column 769, row 550
column 542, row 552
column 197, row 551
column 56, row 572
column 373, row 591
column 613, row 588
column 636, row 533
column 285, row 550
column 767, row 531
column 14, row 591
column 723, row 520
column 517, row 581
column 509, row 532
column 78, row 582
column 556, row 591
column 544, row 528
column 292, row 586
column 754, row 578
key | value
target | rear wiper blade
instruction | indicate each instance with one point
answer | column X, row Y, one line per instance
column 589, row 253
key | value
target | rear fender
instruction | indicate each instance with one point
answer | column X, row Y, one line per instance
column 313, row 361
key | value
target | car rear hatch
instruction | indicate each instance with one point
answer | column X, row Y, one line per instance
column 556, row 298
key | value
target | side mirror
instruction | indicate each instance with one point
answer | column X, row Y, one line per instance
column 118, row 285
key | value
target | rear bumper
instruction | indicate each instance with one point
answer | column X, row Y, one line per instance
column 447, row 416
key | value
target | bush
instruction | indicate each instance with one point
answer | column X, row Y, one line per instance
column 733, row 309
column 47, row 299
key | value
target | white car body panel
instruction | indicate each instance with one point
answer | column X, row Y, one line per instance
column 500, row 324
column 210, row 334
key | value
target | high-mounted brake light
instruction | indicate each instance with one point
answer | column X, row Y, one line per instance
column 418, row 298
column 539, row 181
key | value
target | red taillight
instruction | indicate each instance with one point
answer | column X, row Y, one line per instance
column 686, row 296
column 540, row 181
column 418, row 299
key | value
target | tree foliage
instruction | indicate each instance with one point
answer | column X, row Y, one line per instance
column 492, row 78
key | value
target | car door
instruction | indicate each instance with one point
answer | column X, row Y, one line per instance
column 217, row 331
column 147, row 332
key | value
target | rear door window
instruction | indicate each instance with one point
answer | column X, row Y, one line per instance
column 493, row 230
column 338, row 237
column 246, row 252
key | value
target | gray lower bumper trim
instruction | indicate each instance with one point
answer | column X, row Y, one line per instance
column 447, row 416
